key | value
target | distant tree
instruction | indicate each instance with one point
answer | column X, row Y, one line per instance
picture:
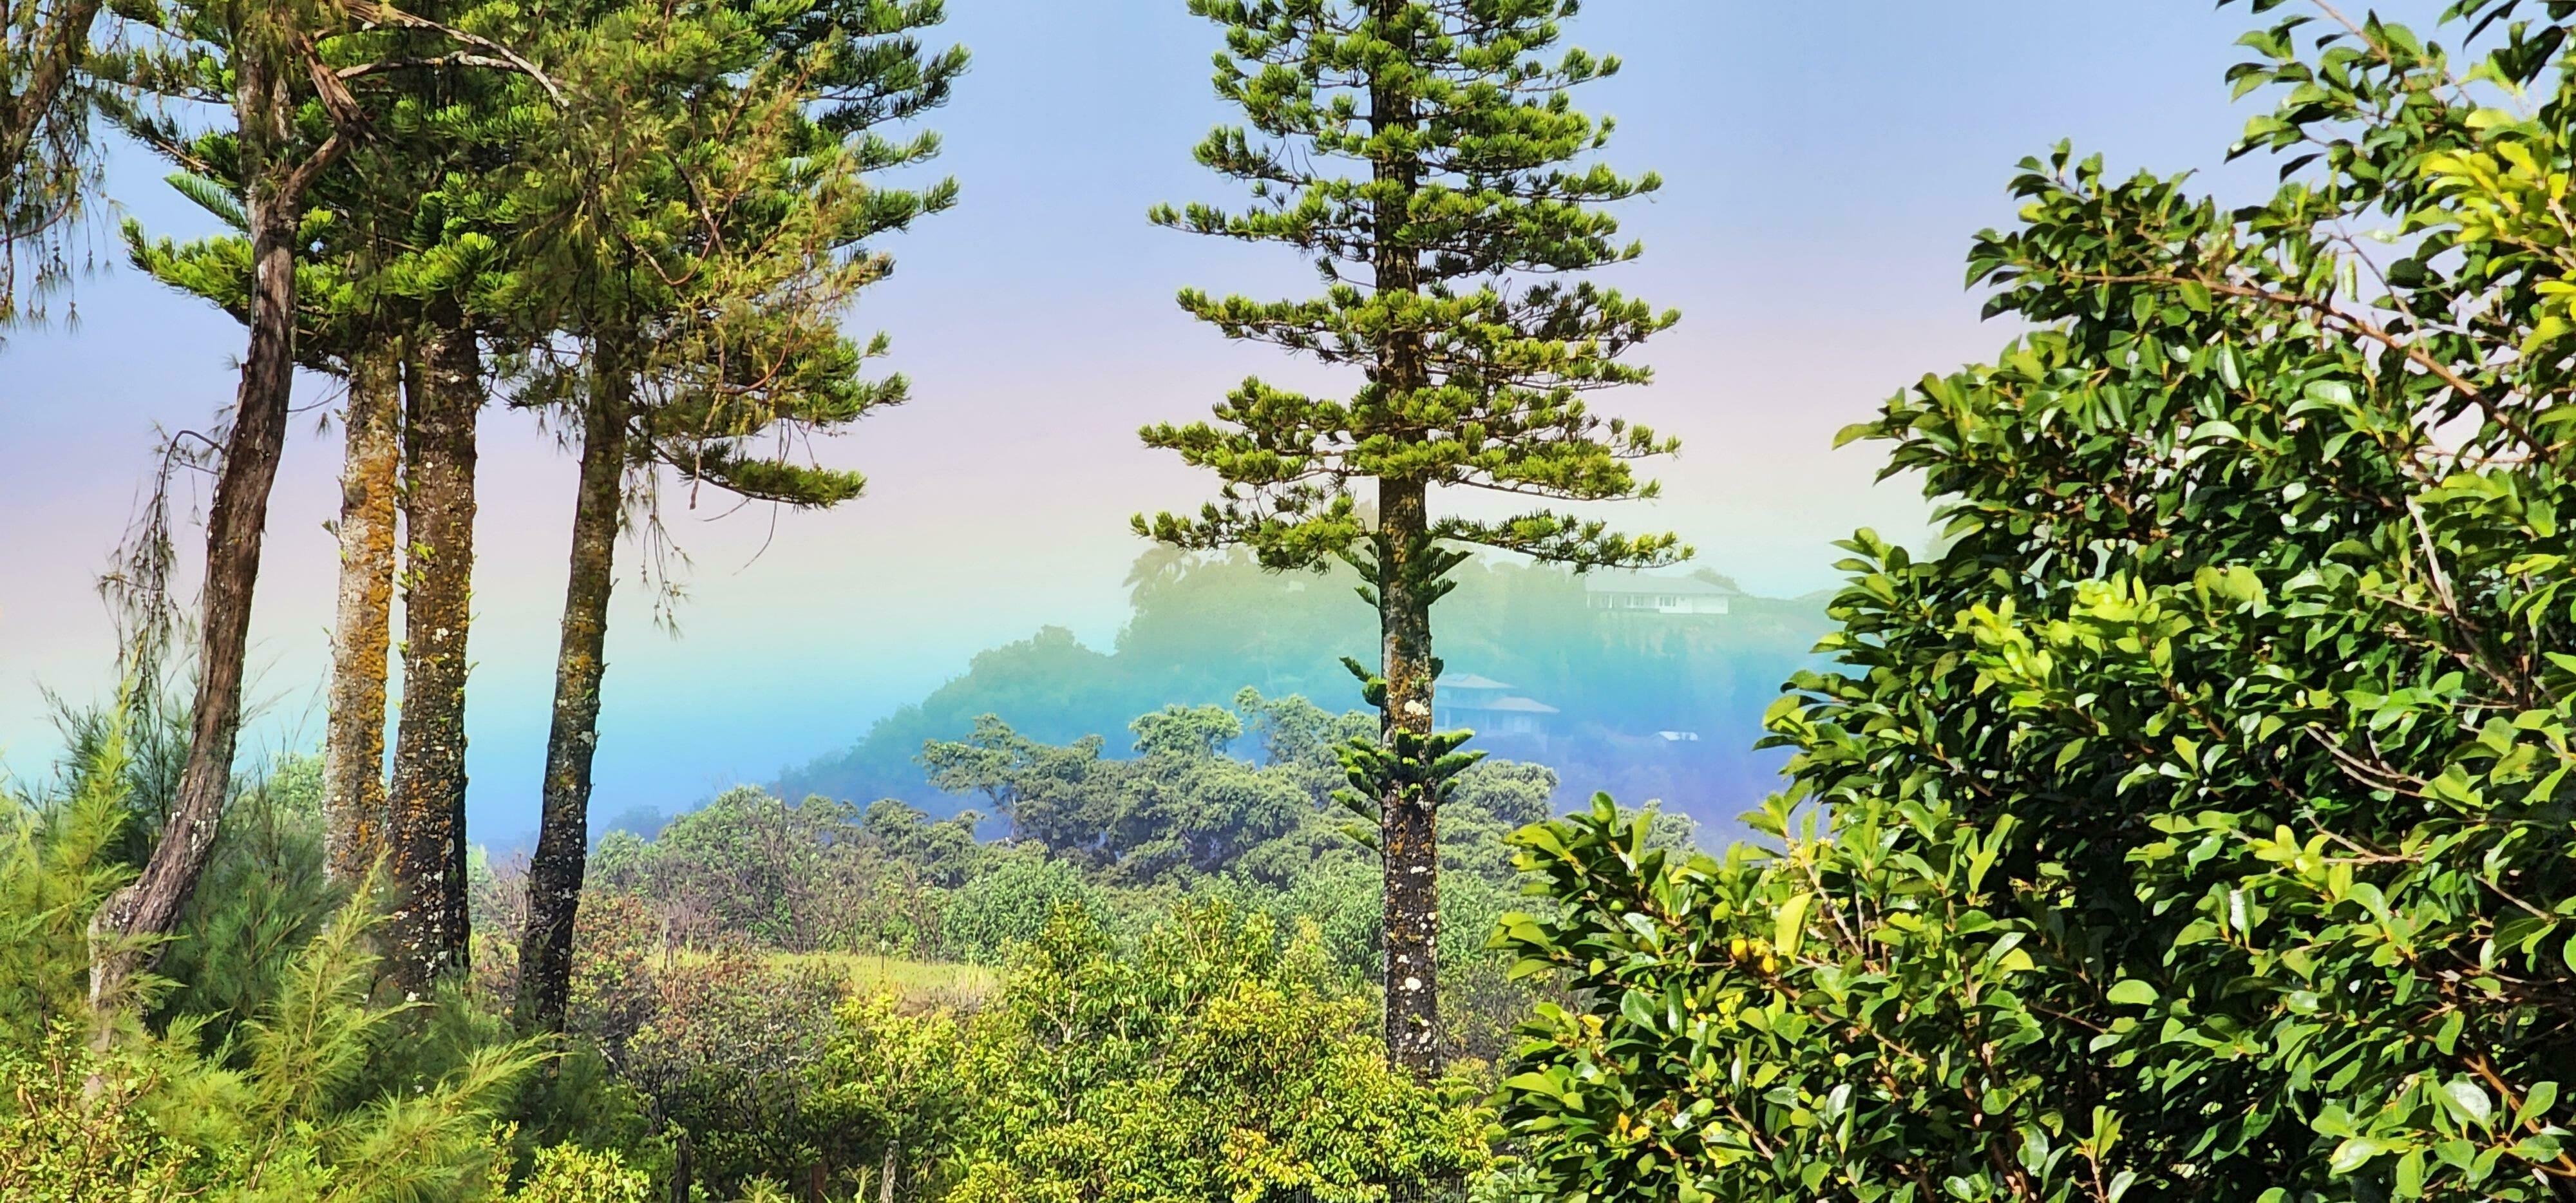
column 1181, row 806
column 1466, row 192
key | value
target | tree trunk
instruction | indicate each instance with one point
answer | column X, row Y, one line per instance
column 353, row 753
column 1408, row 828
column 425, row 828
column 1408, row 831
column 125, row 933
column 563, row 834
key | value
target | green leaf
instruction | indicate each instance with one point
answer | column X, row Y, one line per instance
column 1789, row 928
column 2469, row 1101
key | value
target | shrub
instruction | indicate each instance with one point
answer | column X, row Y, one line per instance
column 1210, row 1059
column 1009, row 905
column 292, row 1103
column 725, row 1056
column 2192, row 824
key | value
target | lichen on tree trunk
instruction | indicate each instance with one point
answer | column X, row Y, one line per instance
column 563, row 839
column 425, row 827
column 353, row 756
column 1409, row 821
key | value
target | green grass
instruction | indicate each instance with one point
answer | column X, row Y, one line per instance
column 917, row 983
column 923, row 983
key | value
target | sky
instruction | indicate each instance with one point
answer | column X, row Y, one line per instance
column 1825, row 165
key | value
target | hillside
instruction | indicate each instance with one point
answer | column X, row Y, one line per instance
column 1201, row 628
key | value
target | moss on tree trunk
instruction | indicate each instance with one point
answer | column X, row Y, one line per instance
column 425, row 830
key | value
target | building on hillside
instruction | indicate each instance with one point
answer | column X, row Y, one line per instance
column 1489, row 707
column 1655, row 593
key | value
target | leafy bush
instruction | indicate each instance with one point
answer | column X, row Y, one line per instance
column 1009, row 904
column 572, row 1174
column 726, row 1056
column 263, row 896
column 2192, row 824
column 1211, row 1059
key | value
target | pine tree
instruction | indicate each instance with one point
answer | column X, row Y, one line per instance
column 1462, row 191
column 353, row 745
column 46, row 168
column 462, row 134
column 707, row 318
column 291, row 74
column 344, row 329
column 264, row 61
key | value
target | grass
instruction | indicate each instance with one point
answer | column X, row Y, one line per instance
column 916, row 983
column 927, row 982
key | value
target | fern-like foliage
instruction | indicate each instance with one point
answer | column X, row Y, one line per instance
column 55, row 867
column 295, row 1099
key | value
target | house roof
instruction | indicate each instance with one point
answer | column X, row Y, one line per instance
column 1519, row 705
column 1471, row 681
column 1638, row 582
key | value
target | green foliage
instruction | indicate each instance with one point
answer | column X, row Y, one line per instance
column 287, row 1110
column 74, row 1128
column 1181, row 806
column 1009, row 905
column 699, row 215
column 263, row 897
column 48, row 166
column 894, row 1085
column 725, row 1056
column 56, row 863
column 572, row 1174
column 305, row 1088
column 1463, row 156
column 1212, row 1058
column 814, row 875
column 2190, row 826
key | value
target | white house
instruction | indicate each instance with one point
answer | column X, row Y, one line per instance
column 1656, row 593
column 1489, row 707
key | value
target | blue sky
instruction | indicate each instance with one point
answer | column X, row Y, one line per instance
column 1825, row 165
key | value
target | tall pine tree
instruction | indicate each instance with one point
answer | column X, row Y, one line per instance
column 345, row 329
column 281, row 71
column 463, row 133
column 337, row 135
column 704, row 228
column 1425, row 156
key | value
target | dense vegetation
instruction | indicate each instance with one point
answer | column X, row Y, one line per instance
column 2191, row 826
column 2186, row 825
column 827, row 998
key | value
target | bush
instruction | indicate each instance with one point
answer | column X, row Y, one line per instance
column 1211, row 1059
column 725, row 1057
column 294, row 1102
column 1009, row 905
column 2193, row 823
